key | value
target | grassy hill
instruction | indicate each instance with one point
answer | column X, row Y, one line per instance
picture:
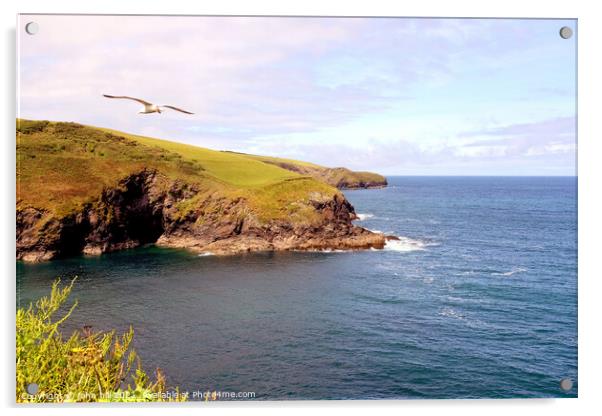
column 62, row 165
column 70, row 175
column 341, row 178
column 245, row 172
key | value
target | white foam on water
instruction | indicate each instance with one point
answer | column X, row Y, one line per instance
column 465, row 273
column 205, row 254
column 451, row 313
column 514, row 271
column 362, row 217
column 406, row 244
column 455, row 314
column 324, row 250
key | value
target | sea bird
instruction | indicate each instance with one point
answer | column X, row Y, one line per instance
column 148, row 107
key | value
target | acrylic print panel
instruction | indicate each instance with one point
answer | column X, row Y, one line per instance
column 295, row 208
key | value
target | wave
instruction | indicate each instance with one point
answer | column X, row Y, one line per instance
column 362, row 217
column 323, row 250
column 406, row 244
column 451, row 313
column 514, row 270
column 205, row 254
column 465, row 273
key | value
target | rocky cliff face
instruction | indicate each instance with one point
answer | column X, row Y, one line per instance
column 143, row 209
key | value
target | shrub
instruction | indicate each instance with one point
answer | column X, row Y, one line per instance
column 31, row 126
column 86, row 367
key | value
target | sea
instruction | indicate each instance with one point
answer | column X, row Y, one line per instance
column 477, row 299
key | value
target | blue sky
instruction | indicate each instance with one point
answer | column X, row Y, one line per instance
column 395, row 96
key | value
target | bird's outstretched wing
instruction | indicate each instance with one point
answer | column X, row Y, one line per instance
column 177, row 109
column 128, row 98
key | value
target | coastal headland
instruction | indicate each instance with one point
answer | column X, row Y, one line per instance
column 89, row 190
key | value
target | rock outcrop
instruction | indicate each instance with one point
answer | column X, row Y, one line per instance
column 146, row 208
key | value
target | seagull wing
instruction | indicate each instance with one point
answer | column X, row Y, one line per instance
column 177, row 109
column 128, row 98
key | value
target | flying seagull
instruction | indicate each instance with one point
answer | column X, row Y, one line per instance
column 148, row 107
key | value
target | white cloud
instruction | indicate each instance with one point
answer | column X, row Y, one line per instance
column 257, row 83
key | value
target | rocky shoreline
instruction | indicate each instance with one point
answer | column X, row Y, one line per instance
column 142, row 209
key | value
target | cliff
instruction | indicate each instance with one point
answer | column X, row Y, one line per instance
column 88, row 190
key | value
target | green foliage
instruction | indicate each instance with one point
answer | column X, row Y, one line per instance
column 290, row 199
column 85, row 367
column 30, row 126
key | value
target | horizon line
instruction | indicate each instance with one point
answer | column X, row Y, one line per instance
column 17, row 119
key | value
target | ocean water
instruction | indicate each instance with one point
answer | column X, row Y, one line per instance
column 478, row 299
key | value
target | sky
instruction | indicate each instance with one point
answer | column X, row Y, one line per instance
column 390, row 95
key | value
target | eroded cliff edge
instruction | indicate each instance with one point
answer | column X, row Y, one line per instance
column 86, row 190
column 143, row 209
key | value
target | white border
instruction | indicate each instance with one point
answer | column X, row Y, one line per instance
column 590, row 207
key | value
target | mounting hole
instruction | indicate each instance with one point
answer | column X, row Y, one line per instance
column 566, row 384
column 566, row 32
column 32, row 28
column 32, row 388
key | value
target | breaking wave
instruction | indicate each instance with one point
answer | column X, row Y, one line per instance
column 515, row 270
column 362, row 217
column 406, row 244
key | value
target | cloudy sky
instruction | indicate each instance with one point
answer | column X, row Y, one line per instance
column 396, row 96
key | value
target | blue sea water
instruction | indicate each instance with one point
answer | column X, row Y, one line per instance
column 477, row 300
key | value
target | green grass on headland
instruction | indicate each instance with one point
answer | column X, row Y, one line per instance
column 233, row 168
column 339, row 177
column 61, row 166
